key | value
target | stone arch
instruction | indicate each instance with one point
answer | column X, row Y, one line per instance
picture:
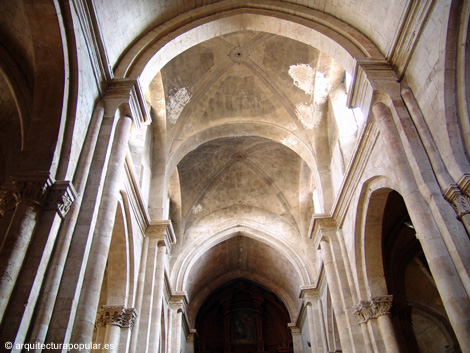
column 196, row 304
column 157, row 47
column 270, row 132
column 20, row 90
column 336, row 38
column 457, row 80
column 191, row 254
column 50, row 89
column 368, row 234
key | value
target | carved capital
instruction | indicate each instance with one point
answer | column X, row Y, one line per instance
column 29, row 187
column 61, row 197
column 381, row 305
column 129, row 318
column 117, row 315
column 459, row 201
column 362, row 311
column 373, row 308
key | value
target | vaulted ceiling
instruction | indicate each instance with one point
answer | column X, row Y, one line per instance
column 250, row 131
column 239, row 90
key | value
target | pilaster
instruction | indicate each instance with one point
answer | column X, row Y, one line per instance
column 178, row 304
column 296, row 338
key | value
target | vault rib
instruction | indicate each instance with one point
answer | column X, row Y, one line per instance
column 199, row 92
column 285, row 101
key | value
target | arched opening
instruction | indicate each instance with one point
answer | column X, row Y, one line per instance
column 241, row 316
column 418, row 314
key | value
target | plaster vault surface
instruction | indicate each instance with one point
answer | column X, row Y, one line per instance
column 250, row 135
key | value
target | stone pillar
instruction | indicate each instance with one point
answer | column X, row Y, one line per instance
column 336, row 296
column 99, row 332
column 145, row 317
column 19, row 315
column 381, row 307
column 90, row 294
column 310, row 298
column 159, row 238
column 460, row 201
column 50, row 288
column 113, row 319
column 455, row 194
column 123, row 96
column 447, row 278
column 317, row 328
column 314, row 348
column 324, row 338
column 140, row 295
column 178, row 302
column 296, row 338
column 363, row 314
column 376, row 312
column 159, row 231
column 30, row 192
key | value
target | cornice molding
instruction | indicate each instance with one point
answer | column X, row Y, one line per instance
column 127, row 95
column 162, row 231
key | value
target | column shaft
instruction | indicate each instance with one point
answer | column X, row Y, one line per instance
column 312, row 329
column 55, row 321
column 157, row 299
column 296, row 339
column 175, row 330
column 90, row 294
column 145, row 317
column 139, row 295
column 336, row 299
column 30, row 196
column 30, row 280
column 111, row 338
column 49, row 291
column 388, row 334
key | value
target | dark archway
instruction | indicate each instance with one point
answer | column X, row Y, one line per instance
column 418, row 314
column 243, row 317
